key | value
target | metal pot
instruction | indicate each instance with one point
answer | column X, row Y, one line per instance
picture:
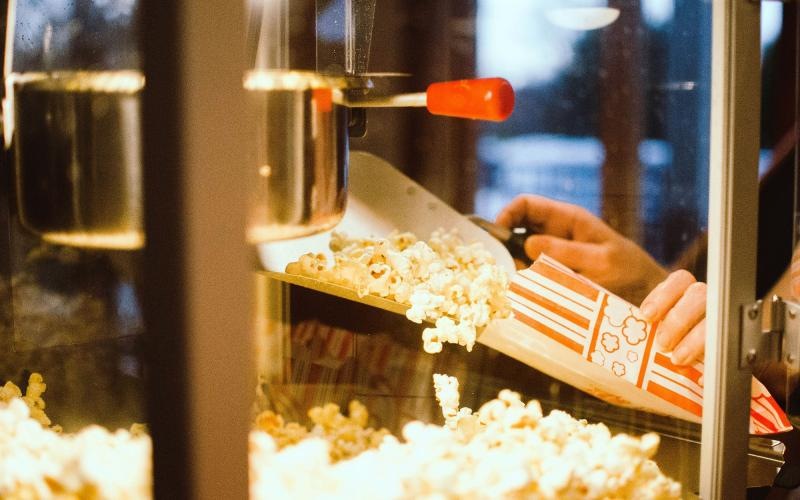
column 299, row 171
column 76, row 139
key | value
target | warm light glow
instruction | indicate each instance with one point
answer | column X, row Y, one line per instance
column 278, row 232
column 289, row 80
column 128, row 240
column 127, row 82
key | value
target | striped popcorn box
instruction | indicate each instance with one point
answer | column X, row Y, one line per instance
column 572, row 329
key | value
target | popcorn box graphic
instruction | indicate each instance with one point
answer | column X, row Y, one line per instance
column 572, row 329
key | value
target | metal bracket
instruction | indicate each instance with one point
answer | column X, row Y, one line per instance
column 791, row 337
column 780, row 343
column 752, row 337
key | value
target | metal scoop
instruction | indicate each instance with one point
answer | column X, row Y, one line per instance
column 381, row 200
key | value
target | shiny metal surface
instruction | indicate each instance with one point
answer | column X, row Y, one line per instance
column 77, row 153
column 732, row 222
column 298, row 172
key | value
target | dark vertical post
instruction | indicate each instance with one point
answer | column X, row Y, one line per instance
column 622, row 118
column 197, row 287
column 445, row 160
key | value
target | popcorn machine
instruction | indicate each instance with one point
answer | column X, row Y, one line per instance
column 178, row 168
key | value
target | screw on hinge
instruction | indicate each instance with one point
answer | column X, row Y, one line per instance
column 790, row 358
column 753, row 312
column 751, row 356
column 792, row 313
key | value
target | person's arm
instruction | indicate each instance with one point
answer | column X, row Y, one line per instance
column 580, row 240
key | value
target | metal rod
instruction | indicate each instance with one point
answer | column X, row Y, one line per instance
column 417, row 100
column 349, row 38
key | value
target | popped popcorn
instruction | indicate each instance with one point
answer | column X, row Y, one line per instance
column 513, row 451
column 38, row 462
column 32, row 398
column 446, row 389
column 347, row 436
column 456, row 286
column 455, row 418
column 507, row 449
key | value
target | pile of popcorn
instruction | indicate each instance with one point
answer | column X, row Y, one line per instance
column 508, row 449
column 37, row 461
column 347, row 436
column 456, row 286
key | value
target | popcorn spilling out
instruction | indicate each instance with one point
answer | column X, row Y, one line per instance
column 456, row 286
column 455, row 418
column 347, row 435
column 511, row 450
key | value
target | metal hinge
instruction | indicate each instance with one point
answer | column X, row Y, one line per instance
column 780, row 343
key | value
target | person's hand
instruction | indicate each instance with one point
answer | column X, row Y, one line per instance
column 578, row 239
column 679, row 304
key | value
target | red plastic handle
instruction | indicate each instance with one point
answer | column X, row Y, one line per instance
column 482, row 99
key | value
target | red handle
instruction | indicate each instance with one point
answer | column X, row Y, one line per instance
column 482, row 99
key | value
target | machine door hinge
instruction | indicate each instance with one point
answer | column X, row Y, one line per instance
column 779, row 343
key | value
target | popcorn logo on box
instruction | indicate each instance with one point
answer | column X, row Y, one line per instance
column 610, row 332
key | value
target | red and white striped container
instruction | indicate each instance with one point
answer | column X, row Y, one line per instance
column 570, row 328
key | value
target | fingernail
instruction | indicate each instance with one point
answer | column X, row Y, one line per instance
column 648, row 310
column 701, row 380
column 660, row 344
column 679, row 357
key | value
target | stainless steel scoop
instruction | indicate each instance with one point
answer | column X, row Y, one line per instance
column 380, row 200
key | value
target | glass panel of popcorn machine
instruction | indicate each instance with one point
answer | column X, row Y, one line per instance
column 72, row 233
column 781, row 170
column 510, row 384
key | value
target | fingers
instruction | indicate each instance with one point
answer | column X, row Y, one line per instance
column 552, row 217
column 512, row 214
column 576, row 255
column 682, row 317
column 521, row 211
column 664, row 296
column 679, row 302
column 692, row 347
